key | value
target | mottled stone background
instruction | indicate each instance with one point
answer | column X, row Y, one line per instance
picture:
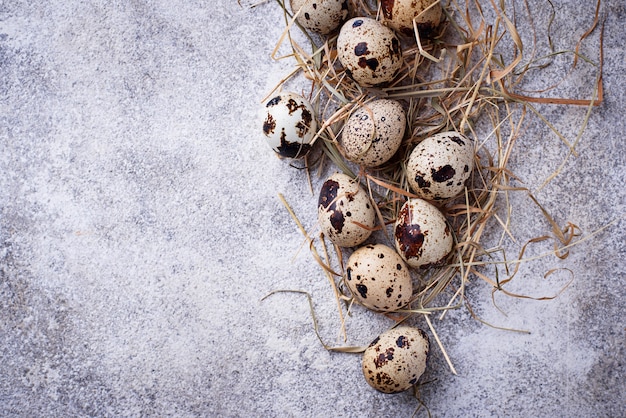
column 140, row 226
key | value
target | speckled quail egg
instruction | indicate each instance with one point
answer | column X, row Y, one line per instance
column 344, row 211
column 399, row 15
column 373, row 133
column 378, row 278
column 439, row 166
column 322, row 16
column 289, row 125
column 421, row 234
column 369, row 51
column 395, row 360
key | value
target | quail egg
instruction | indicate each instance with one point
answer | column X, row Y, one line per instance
column 421, row 234
column 289, row 125
column 399, row 14
column 378, row 278
column 369, row 51
column 373, row 133
column 344, row 211
column 395, row 360
column 322, row 16
column 439, row 166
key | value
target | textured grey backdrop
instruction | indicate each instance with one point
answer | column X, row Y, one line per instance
column 140, row 227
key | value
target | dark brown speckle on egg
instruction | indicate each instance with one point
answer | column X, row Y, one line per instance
column 384, row 358
column 361, row 49
column 443, row 174
column 274, row 101
column 402, row 342
column 362, row 289
column 409, row 235
column 457, row 140
column 421, row 182
column 292, row 149
column 269, row 125
column 328, row 194
column 371, row 63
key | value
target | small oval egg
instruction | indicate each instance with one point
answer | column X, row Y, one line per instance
column 344, row 211
column 421, row 234
column 399, row 14
column 321, row 16
column 439, row 166
column 374, row 132
column 289, row 125
column 369, row 51
column 378, row 278
column 396, row 360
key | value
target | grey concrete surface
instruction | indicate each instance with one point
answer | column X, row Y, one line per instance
column 140, row 227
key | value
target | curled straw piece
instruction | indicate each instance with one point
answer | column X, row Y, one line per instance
column 343, row 349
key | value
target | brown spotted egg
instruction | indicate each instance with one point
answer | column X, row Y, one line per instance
column 374, row 132
column 369, row 51
column 421, row 234
column 439, row 166
column 395, row 360
column 399, row 14
column 322, row 16
column 289, row 125
column 378, row 278
column 345, row 212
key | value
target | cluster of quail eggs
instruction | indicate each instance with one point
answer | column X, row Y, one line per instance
column 437, row 169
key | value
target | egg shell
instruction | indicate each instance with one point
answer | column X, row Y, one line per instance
column 399, row 14
column 422, row 236
column 321, row 16
column 378, row 278
column 289, row 125
column 439, row 166
column 369, row 51
column 374, row 132
column 345, row 212
column 396, row 360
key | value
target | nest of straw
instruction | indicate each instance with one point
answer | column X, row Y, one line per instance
column 452, row 81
